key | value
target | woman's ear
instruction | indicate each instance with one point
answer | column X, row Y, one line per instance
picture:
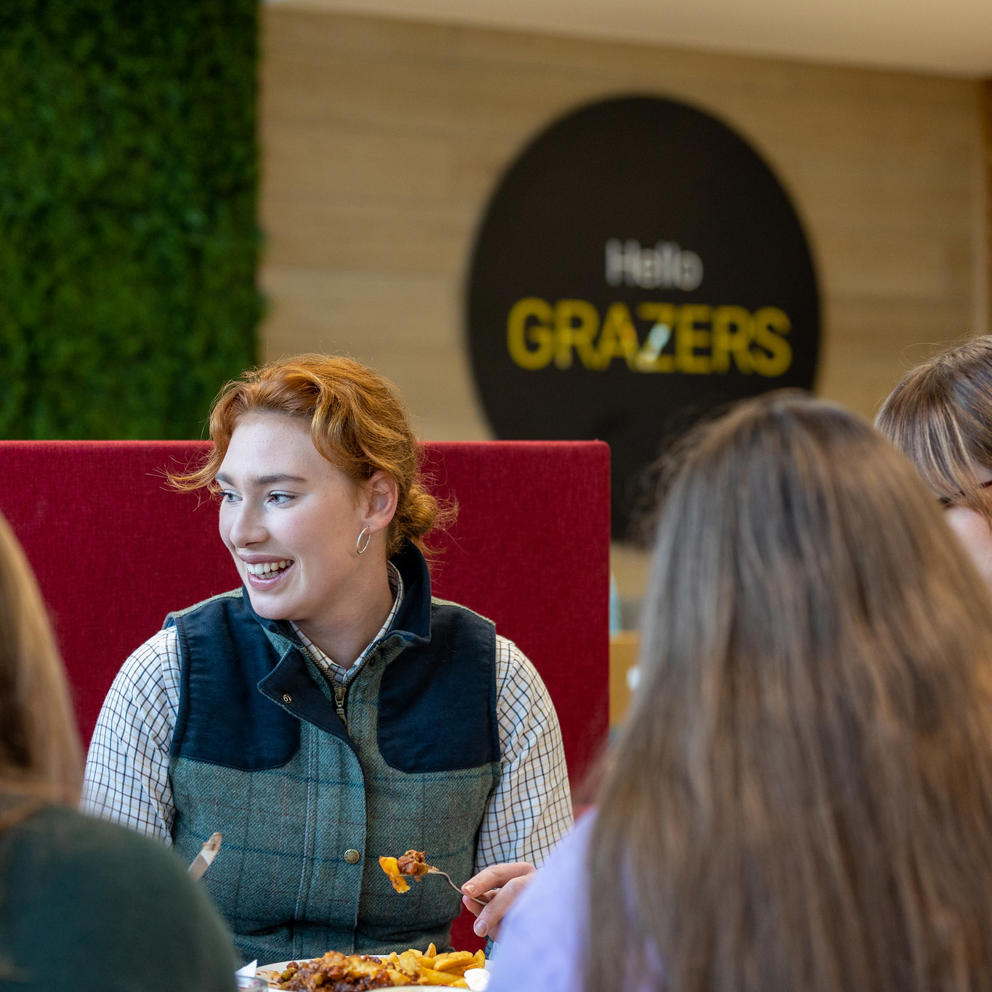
column 380, row 494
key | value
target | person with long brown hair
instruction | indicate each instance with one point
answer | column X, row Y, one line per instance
column 801, row 797
column 83, row 904
column 330, row 710
column 940, row 415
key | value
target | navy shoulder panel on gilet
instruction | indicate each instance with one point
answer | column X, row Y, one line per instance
column 437, row 698
column 223, row 718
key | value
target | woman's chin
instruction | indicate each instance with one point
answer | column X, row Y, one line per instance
column 267, row 606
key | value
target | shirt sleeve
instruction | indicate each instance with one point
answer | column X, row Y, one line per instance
column 127, row 767
column 546, row 931
column 531, row 807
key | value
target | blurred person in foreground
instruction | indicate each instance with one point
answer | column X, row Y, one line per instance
column 801, row 797
column 329, row 710
column 84, row 905
column 940, row 415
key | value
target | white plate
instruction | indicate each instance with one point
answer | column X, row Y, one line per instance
column 279, row 966
column 264, row 969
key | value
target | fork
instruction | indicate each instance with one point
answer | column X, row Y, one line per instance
column 431, row 870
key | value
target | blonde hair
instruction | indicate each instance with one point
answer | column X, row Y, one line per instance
column 940, row 416
column 357, row 421
column 802, row 795
column 40, row 750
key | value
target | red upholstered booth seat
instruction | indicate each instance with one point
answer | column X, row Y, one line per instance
column 114, row 550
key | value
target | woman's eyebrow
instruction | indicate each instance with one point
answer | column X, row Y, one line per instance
column 262, row 480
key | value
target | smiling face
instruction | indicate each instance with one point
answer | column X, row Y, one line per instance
column 290, row 520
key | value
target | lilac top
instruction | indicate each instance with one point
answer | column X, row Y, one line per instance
column 544, row 936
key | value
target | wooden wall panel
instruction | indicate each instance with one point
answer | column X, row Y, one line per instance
column 985, row 241
column 382, row 140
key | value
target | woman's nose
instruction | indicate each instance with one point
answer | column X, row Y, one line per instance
column 245, row 527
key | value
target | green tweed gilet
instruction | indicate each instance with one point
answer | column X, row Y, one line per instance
column 307, row 801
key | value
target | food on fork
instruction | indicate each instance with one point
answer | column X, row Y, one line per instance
column 408, row 865
column 413, row 863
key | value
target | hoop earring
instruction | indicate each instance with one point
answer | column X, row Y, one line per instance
column 363, row 542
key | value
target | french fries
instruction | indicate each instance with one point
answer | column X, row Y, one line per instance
column 430, row 968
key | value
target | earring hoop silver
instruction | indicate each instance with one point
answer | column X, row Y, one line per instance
column 363, row 542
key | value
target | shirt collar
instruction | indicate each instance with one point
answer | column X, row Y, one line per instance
column 324, row 660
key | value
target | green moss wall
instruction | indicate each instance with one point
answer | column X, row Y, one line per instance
column 128, row 234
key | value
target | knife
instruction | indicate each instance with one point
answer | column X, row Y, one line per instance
column 202, row 861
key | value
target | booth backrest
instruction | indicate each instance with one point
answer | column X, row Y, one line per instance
column 114, row 550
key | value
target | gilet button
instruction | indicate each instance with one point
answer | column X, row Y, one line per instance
column 352, row 856
column 287, row 698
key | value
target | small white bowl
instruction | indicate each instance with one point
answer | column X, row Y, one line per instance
column 477, row 978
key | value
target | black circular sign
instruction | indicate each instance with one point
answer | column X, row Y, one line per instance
column 638, row 264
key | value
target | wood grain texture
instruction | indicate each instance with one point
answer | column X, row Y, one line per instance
column 383, row 139
column 985, row 239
